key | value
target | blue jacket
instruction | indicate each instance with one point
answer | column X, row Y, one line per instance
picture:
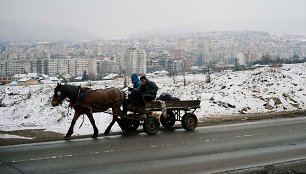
column 136, row 83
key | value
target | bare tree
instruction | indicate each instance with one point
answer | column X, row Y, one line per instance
column 208, row 79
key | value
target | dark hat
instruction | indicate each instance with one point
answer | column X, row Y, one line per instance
column 143, row 77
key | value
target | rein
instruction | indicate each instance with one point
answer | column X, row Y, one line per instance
column 82, row 122
column 82, row 114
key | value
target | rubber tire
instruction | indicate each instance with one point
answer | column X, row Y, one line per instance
column 128, row 125
column 169, row 121
column 189, row 121
column 151, row 125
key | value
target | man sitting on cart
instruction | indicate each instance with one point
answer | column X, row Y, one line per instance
column 147, row 92
column 134, row 91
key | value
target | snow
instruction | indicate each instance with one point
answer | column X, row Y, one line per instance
column 264, row 89
column 7, row 136
column 110, row 77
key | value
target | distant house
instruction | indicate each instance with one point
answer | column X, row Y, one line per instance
column 17, row 77
column 161, row 73
column 13, row 83
column 67, row 77
column 54, row 79
column 47, row 81
column 5, row 80
column 27, row 81
column 32, row 75
column 78, row 78
column 110, row 77
column 44, row 76
column 158, row 73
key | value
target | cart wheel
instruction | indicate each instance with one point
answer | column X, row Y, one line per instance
column 189, row 121
column 169, row 121
column 151, row 125
column 128, row 125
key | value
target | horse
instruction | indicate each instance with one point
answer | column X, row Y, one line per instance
column 87, row 101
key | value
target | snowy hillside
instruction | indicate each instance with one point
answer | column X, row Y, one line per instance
column 261, row 90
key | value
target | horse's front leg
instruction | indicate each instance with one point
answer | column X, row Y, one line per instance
column 92, row 121
column 70, row 130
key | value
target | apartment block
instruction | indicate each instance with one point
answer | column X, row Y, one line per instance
column 134, row 61
column 86, row 64
column 105, row 67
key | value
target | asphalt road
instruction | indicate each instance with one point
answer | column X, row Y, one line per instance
column 205, row 150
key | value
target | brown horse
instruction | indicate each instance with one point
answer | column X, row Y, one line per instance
column 88, row 101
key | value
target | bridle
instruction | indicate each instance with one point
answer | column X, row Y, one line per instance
column 59, row 96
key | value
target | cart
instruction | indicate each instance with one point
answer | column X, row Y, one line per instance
column 171, row 111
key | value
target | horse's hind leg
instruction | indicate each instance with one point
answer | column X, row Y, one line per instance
column 106, row 132
column 70, row 130
column 92, row 121
column 116, row 113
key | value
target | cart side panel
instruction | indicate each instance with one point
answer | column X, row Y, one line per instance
column 155, row 104
column 184, row 104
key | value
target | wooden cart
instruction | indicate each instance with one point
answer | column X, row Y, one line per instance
column 172, row 111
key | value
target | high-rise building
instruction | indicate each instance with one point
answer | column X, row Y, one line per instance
column 86, row 64
column 107, row 66
column 53, row 67
column 134, row 61
column 72, row 66
column 180, row 44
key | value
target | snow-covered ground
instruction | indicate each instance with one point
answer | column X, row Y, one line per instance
column 261, row 90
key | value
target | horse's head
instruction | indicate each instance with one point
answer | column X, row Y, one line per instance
column 58, row 95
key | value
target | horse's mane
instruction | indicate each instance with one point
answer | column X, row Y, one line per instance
column 71, row 90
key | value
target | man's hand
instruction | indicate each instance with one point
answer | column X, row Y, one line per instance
column 147, row 95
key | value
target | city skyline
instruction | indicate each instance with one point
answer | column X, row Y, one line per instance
column 99, row 58
column 123, row 18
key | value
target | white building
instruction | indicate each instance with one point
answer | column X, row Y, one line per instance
column 86, row 64
column 107, row 66
column 134, row 61
column 72, row 66
column 52, row 67
column 63, row 66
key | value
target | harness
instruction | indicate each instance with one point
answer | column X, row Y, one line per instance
column 77, row 101
column 81, row 95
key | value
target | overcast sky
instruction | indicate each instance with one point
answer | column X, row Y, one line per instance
column 122, row 18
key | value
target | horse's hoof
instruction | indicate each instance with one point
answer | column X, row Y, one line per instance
column 66, row 137
column 94, row 136
column 106, row 132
